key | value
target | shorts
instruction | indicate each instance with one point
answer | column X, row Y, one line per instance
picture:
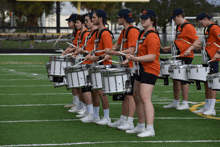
column 132, row 84
column 214, row 67
column 86, row 89
column 185, row 60
column 146, row 78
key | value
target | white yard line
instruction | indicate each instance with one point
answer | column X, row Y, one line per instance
column 41, row 94
column 114, row 142
column 27, row 85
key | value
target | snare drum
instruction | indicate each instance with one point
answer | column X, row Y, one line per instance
column 48, row 68
column 77, row 76
column 166, row 64
column 116, row 81
column 59, row 84
column 178, row 72
column 58, row 63
column 95, row 76
column 197, row 72
column 214, row 81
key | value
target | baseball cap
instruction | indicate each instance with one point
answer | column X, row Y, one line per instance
column 72, row 17
column 126, row 14
column 101, row 13
column 203, row 15
column 148, row 13
column 176, row 12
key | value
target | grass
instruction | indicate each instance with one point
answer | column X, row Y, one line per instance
column 18, row 86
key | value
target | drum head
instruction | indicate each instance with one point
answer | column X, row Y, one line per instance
column 164, row 59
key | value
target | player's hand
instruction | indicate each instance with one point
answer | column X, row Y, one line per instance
column 216, row 56
column 187, row 52
column 166, row 49
column 198, row 47
column 125, row 63
column 107, row 57
column 109, row 51
column 130, row 57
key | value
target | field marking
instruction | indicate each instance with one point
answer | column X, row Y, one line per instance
column 20, row 79
column 26, row 85
column 110, row 142
column 58, row 120
column 21, row 62
column 40, row 94
column 193, row 108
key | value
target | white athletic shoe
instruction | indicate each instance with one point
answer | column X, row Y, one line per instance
column 88, row 118
column 75, row 110
column 209, row 112
column 104, row 121
column 126, row 126
column 171, row 105
column 135, row 130
column 70, row 105
column 117, row 123
column 183, row 107
column 203, row 109
column 147, row 133
column 81, row 111
column 83, row 115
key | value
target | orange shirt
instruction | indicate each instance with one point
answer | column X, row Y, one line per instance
column 151, row 45
column 214, row 37
column 105, row 42
column 189, row 34
column 90, row 45
column 76, row 38
column 131, row 40
column 83, row 37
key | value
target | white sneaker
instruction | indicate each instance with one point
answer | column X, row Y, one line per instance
column 171, row 105
column 147, row 133
column 70, row 105
column 135, row 130
column 209, row 112
column 81, row 111
column 183, row 107
column 117, row 123
column 83, row 115
column 203, row 109
column 126, row 126
column 74, row 110
column 73, row 107
column 88, row 118
column 104, row 121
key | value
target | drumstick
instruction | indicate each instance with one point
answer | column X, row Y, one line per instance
column 122, row 53
column 68, row 55
column 79, row 62
column 71, row 44
column 115, row 61
column 210, row 60
column 216, row 44
column 60, row 51
column 57, row 40
column 100, row 60
column 99, row 51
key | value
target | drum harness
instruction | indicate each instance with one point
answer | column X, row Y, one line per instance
column 124, row 39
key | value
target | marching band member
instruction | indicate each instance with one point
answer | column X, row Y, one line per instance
column 71, row 24
column 185, row 33
column 148, row 60
column 212, row 35
column 84, row 93
column 128, row 37
column 105, row 41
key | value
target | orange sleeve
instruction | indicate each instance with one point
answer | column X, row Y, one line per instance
column 132, row 37
column 153, row 43
column 120, row 37
column 189, row 32
column 216, row 31
column 106, row 40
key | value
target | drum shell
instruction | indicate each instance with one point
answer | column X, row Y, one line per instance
column 58, row 63
column 77, row 76
column 48, row 68
column 215, row 81
column 166, row 64
column 209, row 81
column 160, row 75
column 116, row 81
column 197, row 72
column 59, row 84
column 178, row 72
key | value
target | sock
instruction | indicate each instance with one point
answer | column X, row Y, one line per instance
column 150, row 127
column 206, row 106
column 75, row 99
column 176, row 102
column 212, row 104
column 130, row 120
column 80, row 105
column 185, row 102
column 95, row 112
column 90, row 108
column 141, row 125
column 123, row 117
column 106, row 113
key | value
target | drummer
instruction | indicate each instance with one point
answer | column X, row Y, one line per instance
column 148, row 60
column 128, row 47
column 71, row 24
column 99, row 19
column 186, row 40
column 213, row 51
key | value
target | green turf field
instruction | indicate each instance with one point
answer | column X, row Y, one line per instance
column 32, row 113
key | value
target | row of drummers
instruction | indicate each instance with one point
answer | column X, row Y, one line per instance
column 66, row 71
column 189, row 73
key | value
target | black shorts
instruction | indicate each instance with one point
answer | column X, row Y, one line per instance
column 86, row 89
column 185, row 60
column 146, row 78
column 214, row 67
column 132, row 84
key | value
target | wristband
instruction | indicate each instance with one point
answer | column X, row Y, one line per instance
column 218, row 52
column 100, row 57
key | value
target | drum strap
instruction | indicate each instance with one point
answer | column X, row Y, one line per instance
column 206, row 33
column 100, row 34
column 181, row 27
column 125, row 36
